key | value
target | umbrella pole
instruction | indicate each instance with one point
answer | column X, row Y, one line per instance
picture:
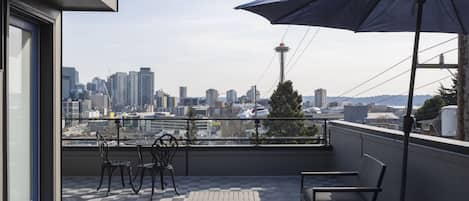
column 408, row 119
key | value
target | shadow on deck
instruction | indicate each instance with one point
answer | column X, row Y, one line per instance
column 270, row 188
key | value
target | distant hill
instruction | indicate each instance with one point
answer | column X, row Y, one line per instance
column 394, row 100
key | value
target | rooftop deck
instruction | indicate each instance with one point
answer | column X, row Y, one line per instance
column 437, row 167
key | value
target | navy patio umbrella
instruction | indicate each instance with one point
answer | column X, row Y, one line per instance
column 445, row 16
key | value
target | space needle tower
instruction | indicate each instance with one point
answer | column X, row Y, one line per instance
column 282, row 49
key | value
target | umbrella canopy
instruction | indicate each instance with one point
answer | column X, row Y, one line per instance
column 445, row 16
column 449, row 16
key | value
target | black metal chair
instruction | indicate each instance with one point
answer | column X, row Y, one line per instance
column 142, row 167
column 163, row 150
column 367, row 186
column 109, row 165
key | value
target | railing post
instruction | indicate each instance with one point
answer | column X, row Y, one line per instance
column 256, row 123
column 187, row 146
column 324, row 135
column 118, row 131
column 188, row 135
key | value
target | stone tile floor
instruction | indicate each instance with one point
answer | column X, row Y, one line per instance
column 270, row 188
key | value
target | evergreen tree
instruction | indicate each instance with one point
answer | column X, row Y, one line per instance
column 286, row 102
column 449, row 95
column 432, row 107
column 192, row 130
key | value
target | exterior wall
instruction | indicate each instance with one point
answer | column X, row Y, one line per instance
column 49, row 16
column 50, row 81
column 437, row 167
column 57, row 121
column 356, row 114
column 212, row 161
column 3, row 54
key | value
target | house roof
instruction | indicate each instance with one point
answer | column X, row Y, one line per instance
column 382, row 115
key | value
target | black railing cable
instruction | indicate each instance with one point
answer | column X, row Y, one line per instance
column 396, row 76
column 390, row 68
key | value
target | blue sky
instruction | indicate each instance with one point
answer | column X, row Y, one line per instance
column 207, row 44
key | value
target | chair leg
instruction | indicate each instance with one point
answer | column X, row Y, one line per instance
column 110, row 170
column 136, row 174
column 103, row 167
column 162, row 178
column 152, row 181
column 129, row 172
column 301, row 187
column 122, row 175
column 174, row 183
column 141, row 179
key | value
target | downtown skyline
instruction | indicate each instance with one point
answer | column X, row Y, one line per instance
column 243, row 95
column 214, row 45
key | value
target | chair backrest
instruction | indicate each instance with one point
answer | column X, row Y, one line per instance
column 371, row 174
column 103, row 147
column 164, row 148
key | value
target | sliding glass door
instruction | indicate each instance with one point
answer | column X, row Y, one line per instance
column 22, row 111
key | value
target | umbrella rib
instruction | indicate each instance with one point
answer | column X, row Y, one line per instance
column 368, row 14
column 463, row 29
column 293, row 11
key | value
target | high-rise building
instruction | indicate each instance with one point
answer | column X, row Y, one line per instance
column 91, row 87
column 243, row 99
column 109, row 86
column 171, row 103
column 119, row 90
column 189, row 101
column 100, row 102
column 320, row 98
column 85, row 105
column 69, row 81
column 85, row 109
column 211, row 97
column 71, row 111
column 231, row 96
column 253, row 94
column 96, row 86
column 182, row 92
column 181, row 111
column 146, row 86
column 161, row 101
column 100, row 85
column 133, row 89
